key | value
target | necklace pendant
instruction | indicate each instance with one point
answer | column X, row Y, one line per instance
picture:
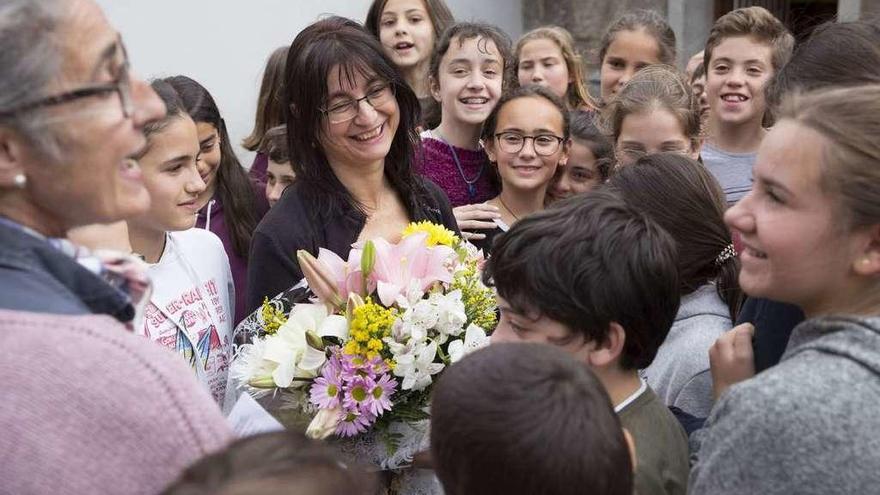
column 472, row 190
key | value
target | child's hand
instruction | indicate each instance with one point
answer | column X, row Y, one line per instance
column 475, row 217
column 731, row 358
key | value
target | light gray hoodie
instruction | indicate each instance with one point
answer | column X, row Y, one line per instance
column 680, row 373
column 809, row 425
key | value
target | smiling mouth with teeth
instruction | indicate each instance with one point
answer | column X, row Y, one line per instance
column 474, row 100
column 366, row 136
column 734, row 98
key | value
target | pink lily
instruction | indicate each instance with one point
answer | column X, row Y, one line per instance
column 346, row 274
column 320, row 280
column 409, row 265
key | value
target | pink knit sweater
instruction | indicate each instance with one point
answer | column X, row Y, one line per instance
column 86, row 407
column 438, row 165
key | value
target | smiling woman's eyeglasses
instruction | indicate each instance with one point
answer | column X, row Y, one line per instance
column 346, row 109
column 121, row 86
column 513, row 142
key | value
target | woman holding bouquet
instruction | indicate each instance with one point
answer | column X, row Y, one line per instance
column 352, row 149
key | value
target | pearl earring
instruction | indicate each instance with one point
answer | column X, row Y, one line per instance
column 19, row 181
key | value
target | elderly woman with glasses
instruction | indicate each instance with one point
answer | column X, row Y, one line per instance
column 88, row 407
column 352, row 148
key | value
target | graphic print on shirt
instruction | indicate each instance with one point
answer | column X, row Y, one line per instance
column 189, row 324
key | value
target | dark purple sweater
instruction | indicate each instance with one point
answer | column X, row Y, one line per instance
column 259, row 168
column 212, row 218
column 438, row 165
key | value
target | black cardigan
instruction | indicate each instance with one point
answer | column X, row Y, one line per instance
column 289, row 227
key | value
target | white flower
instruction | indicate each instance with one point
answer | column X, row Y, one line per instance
column 451, row 315
column 398, row 343
column 249, row 364
column 416, row 321
column 324, row 423
column 288, row 351
column 411, row 295
column 474, row 338
column 417, row 366
column 440, row 315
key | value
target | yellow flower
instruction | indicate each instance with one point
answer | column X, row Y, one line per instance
column 351, row 347
column 375, row 344
column 437, row 234
column 369, row 324
column 479, row 300
column 273, row 318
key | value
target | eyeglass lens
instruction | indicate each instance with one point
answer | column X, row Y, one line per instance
column 544, row 145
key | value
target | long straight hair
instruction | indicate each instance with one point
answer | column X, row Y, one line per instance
column 233, row 186
column 269, row 112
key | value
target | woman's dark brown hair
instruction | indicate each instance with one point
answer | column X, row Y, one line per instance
column 683, row 197
column 269, row 112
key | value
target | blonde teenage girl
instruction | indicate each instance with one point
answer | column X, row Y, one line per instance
column 546, row 56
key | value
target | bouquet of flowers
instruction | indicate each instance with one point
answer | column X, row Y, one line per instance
column 362, row 355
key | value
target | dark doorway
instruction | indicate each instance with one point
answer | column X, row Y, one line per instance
column 800, row 16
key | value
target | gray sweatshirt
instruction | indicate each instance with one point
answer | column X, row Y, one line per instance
column 808, row 425
column 680, row 373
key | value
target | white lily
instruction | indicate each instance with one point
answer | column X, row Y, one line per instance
column 474, row 338
column 289, row 351
column 417, row 366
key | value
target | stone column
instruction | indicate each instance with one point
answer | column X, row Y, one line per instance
column 691, row 20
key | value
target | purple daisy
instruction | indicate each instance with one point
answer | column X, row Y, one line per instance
column 379, row 396
column 355, row 364
column 325, row 392
column 378, row 366
column 357, row 393
column 353, row 423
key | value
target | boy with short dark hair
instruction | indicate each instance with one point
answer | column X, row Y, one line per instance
column 744, row 50
column 279, row 172
column 526, row 419
column 599, row 280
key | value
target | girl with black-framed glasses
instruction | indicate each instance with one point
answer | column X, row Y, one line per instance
column 527, row 140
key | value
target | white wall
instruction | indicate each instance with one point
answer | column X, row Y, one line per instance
column 224, row 44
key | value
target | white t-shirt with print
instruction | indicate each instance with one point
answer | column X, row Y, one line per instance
column 190, row 309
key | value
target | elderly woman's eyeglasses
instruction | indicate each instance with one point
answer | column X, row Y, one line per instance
column 513, row 142
column 121, row 85
column 344, row 110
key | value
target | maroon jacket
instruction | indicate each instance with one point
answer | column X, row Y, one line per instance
column 212, row 218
